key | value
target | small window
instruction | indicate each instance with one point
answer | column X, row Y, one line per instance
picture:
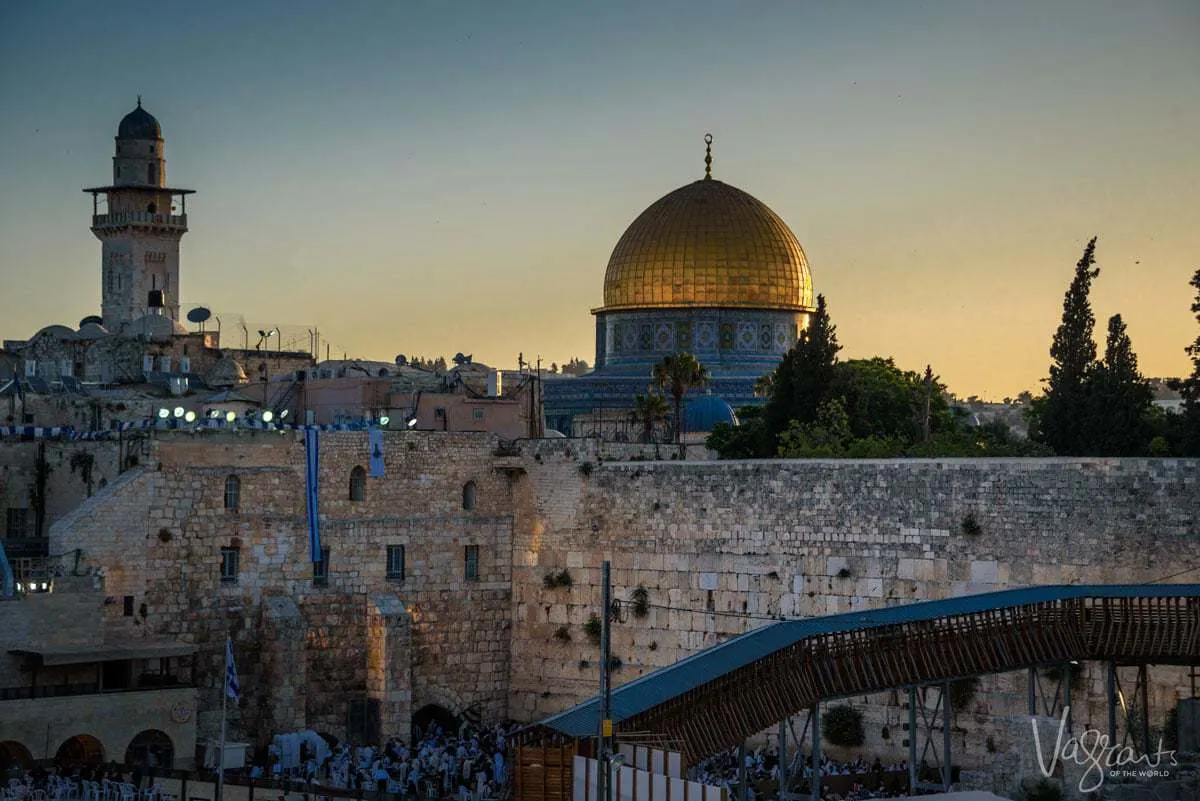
column 233, row 493
column 127, row 608
column 469, row 495
column 230, row 563
column 185, row 364
column 472, row 558
column 164, row 364
column 16, row 522
column 358, row 484
column 66, row 368
column 395, row 562
column 147, row 364
column 477, row 414
column 31, row 368
column 321, row 570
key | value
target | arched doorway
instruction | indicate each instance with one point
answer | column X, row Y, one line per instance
column 14, row 753
column 427, row 716
column 150, row 748
column 82, row 749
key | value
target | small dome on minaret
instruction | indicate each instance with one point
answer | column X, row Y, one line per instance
column 139, row 124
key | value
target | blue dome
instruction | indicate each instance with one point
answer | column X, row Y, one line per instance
column 703, row 412
column 139, row 124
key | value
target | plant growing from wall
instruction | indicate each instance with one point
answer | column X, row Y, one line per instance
column 843, row 725
column 844, row 573
column 1041, row 790
column 562, row 634
column 562, row 578
column 963, row 692
column 641, row 602
column 592, row 628
column 615, row 663
column 586, row 468
column 164, row 535
column 970, row 526
column 84, row 462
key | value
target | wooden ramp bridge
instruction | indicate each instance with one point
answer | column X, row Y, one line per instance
column 716, row 699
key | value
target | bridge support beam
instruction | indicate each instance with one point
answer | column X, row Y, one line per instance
column 947, row 721
column 741, row 793
column 815, row 717
column 925, row 729
column 1110, row 698
column 783, row 761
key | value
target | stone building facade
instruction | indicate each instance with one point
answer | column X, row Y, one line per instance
column 463, row 618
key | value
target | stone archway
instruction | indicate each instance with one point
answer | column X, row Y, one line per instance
column 429, row 715
column 82, row 749
column 151, row 748
column 14, row 753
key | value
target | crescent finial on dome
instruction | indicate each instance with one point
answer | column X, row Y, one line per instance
column 707, row 156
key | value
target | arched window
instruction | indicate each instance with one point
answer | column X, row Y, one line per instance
column 233, row 493
column 469, row 495
column 82, row 749
column 358, row 484
column 151, row 748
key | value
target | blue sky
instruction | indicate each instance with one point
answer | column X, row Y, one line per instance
column 425, row 178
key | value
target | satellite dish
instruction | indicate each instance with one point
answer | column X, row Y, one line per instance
column 91, row 319
column 198, row 315
column 401, row 360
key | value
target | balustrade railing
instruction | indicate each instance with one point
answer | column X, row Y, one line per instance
column 138, row 218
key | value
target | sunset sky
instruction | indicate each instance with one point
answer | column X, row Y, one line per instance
column 426, row 178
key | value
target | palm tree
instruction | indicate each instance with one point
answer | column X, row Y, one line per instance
column 677, row 374
column 649, row 410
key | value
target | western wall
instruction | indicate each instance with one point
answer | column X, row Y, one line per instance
column 708, row 541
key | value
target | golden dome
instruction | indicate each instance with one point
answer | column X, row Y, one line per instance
column 708, row 244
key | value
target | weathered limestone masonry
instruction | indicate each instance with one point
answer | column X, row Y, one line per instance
column 307, row 652
column 73, row 472
column 807, row 538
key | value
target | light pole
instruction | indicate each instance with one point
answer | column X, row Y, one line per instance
column 604, row 752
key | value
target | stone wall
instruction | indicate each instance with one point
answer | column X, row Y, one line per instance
column 713, row 541
column 305, row 651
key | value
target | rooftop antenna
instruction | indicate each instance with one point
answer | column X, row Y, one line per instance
column 708, row 156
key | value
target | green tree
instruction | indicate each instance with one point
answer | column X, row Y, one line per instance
column 749, row 439
column 802, row 380
column 883, row 401
column 1058, row 418
column 1117, row 422
column 649, row 410
column 825, row 437
column 1189, row 388
column 676, row 375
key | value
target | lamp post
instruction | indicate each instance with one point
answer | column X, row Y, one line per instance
column 604, row 752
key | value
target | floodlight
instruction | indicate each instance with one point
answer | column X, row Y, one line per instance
column 412, row 422
column 283, row 414
column 268, row 416
column 230, row 416
column 179, row 411
column 190, row 417
column 163, row 414
column 383, row 421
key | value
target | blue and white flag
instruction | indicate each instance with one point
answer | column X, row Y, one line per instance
column 312, row 485
column 375, row 441
column 231, row 680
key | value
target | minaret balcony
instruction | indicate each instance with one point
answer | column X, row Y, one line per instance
column 141, row 219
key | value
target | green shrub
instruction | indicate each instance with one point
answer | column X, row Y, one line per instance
column 970, row 526
column 563, row 634
column 641, row 602
column 843, row 725
column 1041, row 790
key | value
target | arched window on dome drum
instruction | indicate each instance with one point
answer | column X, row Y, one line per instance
column 469, row 496
column 233, row 493
column 358, row 484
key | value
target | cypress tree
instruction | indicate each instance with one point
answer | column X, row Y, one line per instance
column 801, row 382
column 1189, row 388
column 1119, row 400
column 1059, row 416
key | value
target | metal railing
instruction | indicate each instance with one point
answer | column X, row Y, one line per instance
column 138, row 218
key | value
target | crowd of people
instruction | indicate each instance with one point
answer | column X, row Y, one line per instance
column 841, row 781
column 468, row 764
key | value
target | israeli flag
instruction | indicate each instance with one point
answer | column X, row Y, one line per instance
column 231, row 680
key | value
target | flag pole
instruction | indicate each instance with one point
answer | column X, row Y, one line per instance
column 224, row 700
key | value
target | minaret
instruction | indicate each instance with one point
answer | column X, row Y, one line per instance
column 140, row 226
